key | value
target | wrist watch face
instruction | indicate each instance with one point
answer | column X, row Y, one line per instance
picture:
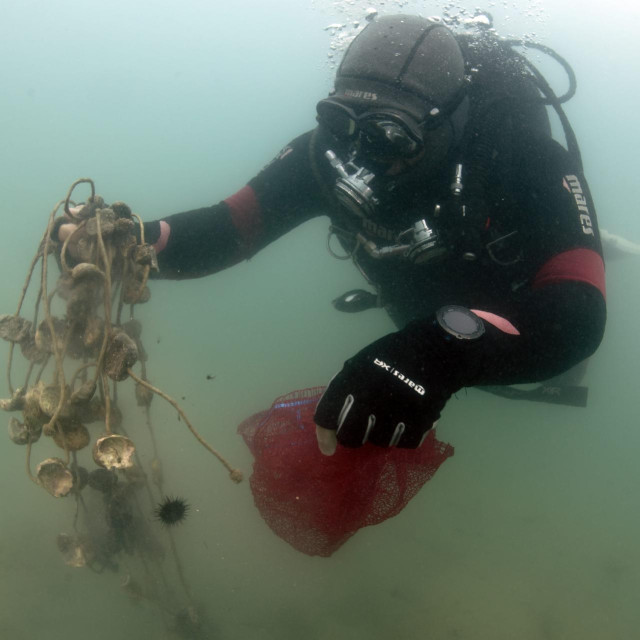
column 460, row 322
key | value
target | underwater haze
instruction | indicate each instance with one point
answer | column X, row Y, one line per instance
column 530, row 531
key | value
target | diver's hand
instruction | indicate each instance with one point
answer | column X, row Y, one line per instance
column 390, row 393
column 67, row 230
column 65, row 225
column 327, row 440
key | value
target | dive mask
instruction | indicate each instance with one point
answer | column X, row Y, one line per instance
column 382, row 133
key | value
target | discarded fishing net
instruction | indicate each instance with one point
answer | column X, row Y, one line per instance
column 316, row 502
column 79, row 346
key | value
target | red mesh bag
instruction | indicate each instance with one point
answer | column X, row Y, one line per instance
column 316, row 502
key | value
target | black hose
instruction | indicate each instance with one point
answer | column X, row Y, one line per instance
column 558, row 58
column 549, row 94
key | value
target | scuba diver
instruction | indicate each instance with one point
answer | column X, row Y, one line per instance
column 433, row 158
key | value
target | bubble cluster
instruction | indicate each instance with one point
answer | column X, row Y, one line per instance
column 348, row 17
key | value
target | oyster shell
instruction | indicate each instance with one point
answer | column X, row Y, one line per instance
column 77, row 551
column 85, row 291
column 123, row 227
column 121, row 209
column 114, row 452
column 121, row 354
column 71, row 437
column 84, row 392
column 30, row 350
column 145, row 254
column 89, row 412
column 54, row 476
column 89, row 208
column 14, row 328
column 81, row 304
column 133, row 328
column 32, row 415
column 93, row 332
column 20, row 433
column 136, row 476
column 15, row 402
column 144, row 396
column 43, row 335
column 102, row 480
column 80, row 477
column 107, row 220
column 64, row 284
column 49, row 399
column 87, row 272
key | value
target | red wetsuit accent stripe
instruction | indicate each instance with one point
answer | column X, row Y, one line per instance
column 578, row 265
column 246, row 217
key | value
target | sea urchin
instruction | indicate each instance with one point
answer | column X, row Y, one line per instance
column 172, row 510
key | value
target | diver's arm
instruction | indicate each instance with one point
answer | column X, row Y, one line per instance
column 203, row 241
column 392, row 391
column 560, row 311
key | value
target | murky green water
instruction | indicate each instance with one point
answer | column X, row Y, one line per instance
column 530, row 531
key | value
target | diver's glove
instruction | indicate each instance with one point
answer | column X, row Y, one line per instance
column 392, row 392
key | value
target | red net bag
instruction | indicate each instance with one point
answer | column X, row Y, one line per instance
column 316, row 502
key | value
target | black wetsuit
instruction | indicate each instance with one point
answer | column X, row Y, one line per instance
column 525, row 246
